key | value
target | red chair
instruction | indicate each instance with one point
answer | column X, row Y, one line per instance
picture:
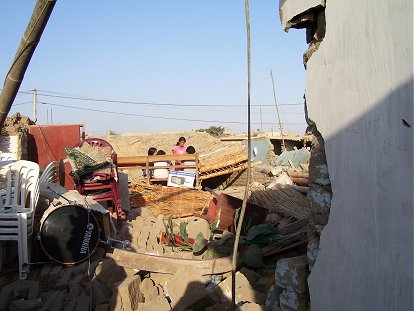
column 103, row 187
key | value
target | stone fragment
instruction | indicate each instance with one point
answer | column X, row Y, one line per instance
column 272, row 298
column 75, row 290
column 126, row 295
column 293, row 301
column 54, row 300
column 103, row 307
column 44, row 275
column 82, row 303
column 16, row 290
column 264, row 283
column 25, row 305
column 65, row 277
column 108, row 272
column 143, row 237
column 34, row 290
column 100, row 293
column 148, row 289
column 312, row 251
column 71, row 305
column 250, row 306
column 292, row 273
column 160, row 278
column 54, row 275
column 98, row 255
column 158, row 304
column 185, row 288
column 251, row 275
column 244, row 291
column 159, row 225
column 146, row 214
column 195, row 225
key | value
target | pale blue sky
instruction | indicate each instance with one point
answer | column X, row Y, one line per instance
column 163, row 52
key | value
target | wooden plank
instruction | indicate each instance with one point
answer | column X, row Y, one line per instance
column 300, row 181
column 298, row 174
column 169, row 265
column 223, row 172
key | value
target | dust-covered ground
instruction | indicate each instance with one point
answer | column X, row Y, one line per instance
column 133, row 144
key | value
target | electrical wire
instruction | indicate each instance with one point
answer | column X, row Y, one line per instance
column 85, row 98
column 155, row 117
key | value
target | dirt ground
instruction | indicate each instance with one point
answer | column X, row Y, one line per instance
column 132, row 144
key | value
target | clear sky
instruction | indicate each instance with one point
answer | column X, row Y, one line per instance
column 190, row 55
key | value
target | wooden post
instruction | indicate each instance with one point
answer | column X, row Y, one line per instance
column 197, row 169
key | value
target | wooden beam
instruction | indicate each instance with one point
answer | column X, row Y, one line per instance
column 169, row 265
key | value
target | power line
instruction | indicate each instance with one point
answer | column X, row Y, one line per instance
column 73, row 97
column 24, row 103
column 153, row 117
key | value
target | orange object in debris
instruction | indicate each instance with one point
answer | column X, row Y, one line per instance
column 223, row 208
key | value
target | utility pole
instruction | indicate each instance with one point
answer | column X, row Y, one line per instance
column 261, row 120
column 283, row 146
column 35, row 106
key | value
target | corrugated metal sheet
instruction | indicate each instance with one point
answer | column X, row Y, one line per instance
column 46, row 144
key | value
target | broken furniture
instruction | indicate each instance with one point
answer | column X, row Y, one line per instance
column 46, row 143
column 96, row 172
column 18, row 199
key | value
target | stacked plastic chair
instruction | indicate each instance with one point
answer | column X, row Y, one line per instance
column 51, row 173
column 100, row 185
column 19, row 194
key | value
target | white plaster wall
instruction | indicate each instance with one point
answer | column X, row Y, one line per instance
column 359, row 88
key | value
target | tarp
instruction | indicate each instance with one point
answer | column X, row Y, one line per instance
column 296, row 156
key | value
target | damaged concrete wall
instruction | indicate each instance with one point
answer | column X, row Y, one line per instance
column 359, row 94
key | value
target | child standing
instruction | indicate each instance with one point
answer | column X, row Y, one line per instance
column 179, row 148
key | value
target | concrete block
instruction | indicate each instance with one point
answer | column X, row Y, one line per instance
column 292, row 273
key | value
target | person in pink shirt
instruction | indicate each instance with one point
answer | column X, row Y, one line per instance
column 179, row 148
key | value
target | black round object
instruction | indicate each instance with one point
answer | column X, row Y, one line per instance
column 69, row 234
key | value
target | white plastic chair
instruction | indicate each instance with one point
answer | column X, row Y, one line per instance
column 19, row 181
column 50, row 174
column 7, row 156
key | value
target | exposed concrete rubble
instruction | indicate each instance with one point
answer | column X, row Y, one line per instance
column 302, row 14
column 173, row 251
column 15, row 124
